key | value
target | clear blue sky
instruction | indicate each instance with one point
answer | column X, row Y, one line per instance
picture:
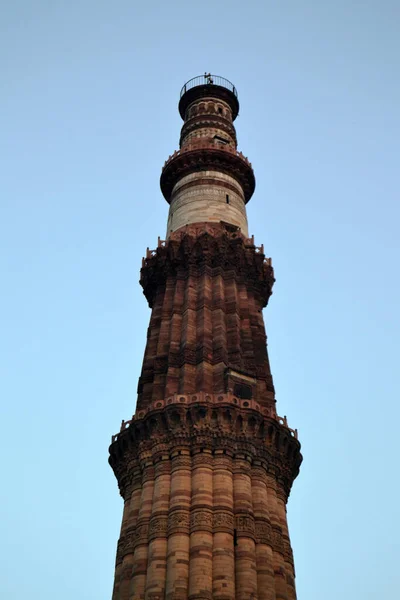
column 88, row 110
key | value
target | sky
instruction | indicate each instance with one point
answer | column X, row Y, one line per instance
column 88, row 111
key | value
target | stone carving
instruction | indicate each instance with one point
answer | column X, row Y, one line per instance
column 223, row 521
column 126, row 544
column 180, row 462
column 200, row 520
column 158, row 527
column 223, row 463
column 288, row 553
column 163, row 467
column 141, row 533
column 178, row 520
column 245, row 525
column 263, row 532
column 277, row 540
column 202, row 460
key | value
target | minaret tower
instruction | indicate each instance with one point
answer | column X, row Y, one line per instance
column 205, row 465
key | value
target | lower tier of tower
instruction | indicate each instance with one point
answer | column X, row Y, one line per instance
column 205, row 496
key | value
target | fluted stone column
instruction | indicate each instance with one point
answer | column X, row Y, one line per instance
column 223, row 572
column 264, row 554
column 278, row 556
column 188, row 336
column 157, row 559
column 121, row 583
column 201, row 537
column 124, row 568
column 178, row 527
column 142, row 532
column 288, row 556
column 173, row 370
column 245, row 551
column 163, row 339
column 124, row 564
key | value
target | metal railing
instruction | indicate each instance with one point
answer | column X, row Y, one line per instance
column 208, row 79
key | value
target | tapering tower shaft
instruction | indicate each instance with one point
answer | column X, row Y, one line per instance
column 205, row 465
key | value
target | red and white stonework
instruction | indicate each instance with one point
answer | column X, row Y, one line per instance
column 205, row 465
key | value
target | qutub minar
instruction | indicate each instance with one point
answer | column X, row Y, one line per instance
column 205, row 465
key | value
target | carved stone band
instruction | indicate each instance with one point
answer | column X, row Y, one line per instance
column 158, row 527
column 223, row 521
column 245, row 525
column 201, row 520
column 178, row 521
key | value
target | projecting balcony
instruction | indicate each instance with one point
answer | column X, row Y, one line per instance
column 203, row 155
column 226, row 400
column 206, row 144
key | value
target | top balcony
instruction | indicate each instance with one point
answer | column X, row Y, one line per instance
column 208, row 79
column 208, row 85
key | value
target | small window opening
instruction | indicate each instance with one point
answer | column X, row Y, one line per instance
column 220, row 140
column 235, row 543
column 227, row 198
column 220, row 110
column 243, row 391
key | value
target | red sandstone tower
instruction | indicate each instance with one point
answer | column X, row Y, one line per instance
column 205, row 465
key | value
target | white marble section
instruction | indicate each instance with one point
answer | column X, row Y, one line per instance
column 207, row 201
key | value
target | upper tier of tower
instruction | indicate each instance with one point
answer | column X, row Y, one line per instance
column 208, row 111
column 207, row 179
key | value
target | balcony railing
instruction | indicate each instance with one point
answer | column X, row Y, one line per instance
column 226, row 399
column 205, row 144
column 208, row 79
column 248, row 242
